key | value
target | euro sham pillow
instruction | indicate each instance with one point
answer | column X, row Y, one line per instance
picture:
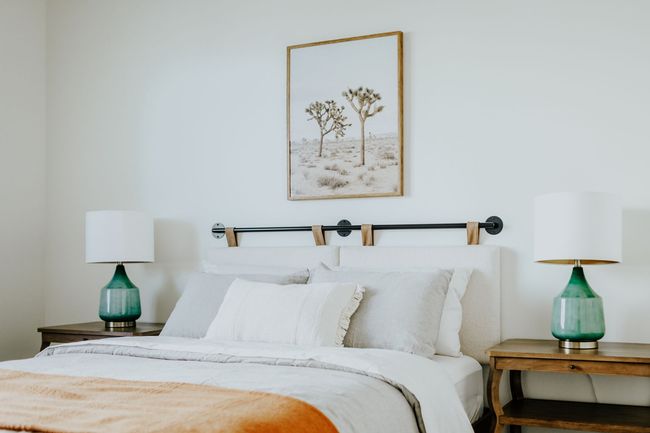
column 202, row 297
column 301, row 314
column 400, row 310
column 448, row 342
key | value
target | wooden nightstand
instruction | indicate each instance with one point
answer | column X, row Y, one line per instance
column 93, row 331
column 620, row 359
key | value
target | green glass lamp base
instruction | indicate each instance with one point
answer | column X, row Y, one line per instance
column 578, row 317
column 119, row 301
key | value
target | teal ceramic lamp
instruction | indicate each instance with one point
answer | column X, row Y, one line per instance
column 578, row 229
column 119, row 237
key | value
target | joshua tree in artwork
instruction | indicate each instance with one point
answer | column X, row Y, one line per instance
column 329, row 117
column 365, row 102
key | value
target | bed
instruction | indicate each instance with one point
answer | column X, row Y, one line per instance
column 358, row 390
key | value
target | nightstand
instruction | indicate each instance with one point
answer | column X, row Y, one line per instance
column 618, row 359
column 94, row 331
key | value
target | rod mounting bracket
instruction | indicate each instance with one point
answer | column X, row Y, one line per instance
column 220, row 234
column 498, row 225
column 342, row 231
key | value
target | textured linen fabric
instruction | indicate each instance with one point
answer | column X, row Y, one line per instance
column 203, row 295
column 302, row 314
column 305, row 256
column 448, row 342
column 50, row 403
column 481, row 327
column 246, row 269
column 467, row 375
column 359, row 390
column 400, row 310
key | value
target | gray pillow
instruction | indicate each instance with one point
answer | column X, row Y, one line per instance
column 399, row 311
column 202, row 297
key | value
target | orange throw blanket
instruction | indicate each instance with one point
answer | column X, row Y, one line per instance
column 66, row 404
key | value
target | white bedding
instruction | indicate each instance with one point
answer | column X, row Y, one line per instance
column 360, row 390
column 467, row 376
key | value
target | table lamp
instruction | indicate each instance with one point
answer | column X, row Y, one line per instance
column 119, row 237
column 583, row 228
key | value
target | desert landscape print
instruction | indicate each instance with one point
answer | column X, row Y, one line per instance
column 344, row 105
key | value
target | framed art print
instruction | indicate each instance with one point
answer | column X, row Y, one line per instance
column 344, row 118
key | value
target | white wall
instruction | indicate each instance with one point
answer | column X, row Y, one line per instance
column 177, row 108
column 22, row 174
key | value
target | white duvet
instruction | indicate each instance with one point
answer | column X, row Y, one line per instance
column 360, row 390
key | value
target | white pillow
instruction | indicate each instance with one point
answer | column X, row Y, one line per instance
column 301, row 314
column 234, row 269
column 452, row 314
column 202, row 297
column 448, row 342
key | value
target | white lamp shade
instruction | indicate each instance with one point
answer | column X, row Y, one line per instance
column 119, row 236
column 585, row 226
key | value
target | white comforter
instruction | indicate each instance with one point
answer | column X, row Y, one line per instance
column 360, row 390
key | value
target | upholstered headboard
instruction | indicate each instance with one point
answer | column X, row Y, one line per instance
column 275, row 256
column 481, row 304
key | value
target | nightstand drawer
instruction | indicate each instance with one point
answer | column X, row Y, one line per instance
column 64, row 338
column 574, row 366
column 94, row 331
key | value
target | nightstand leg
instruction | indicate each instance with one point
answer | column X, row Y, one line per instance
column 517, row 393
column 494, row 400
column 515, row 385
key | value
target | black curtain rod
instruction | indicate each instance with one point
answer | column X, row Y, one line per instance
column 493, row 225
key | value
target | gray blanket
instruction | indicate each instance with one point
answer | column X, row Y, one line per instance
column 354, row 390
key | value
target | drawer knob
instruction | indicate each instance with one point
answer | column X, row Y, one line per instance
column 572, row 367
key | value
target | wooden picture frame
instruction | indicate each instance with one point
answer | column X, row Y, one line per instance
column 331, row 151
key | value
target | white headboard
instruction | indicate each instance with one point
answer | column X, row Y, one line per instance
column 481, row 304
column 275, row 256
